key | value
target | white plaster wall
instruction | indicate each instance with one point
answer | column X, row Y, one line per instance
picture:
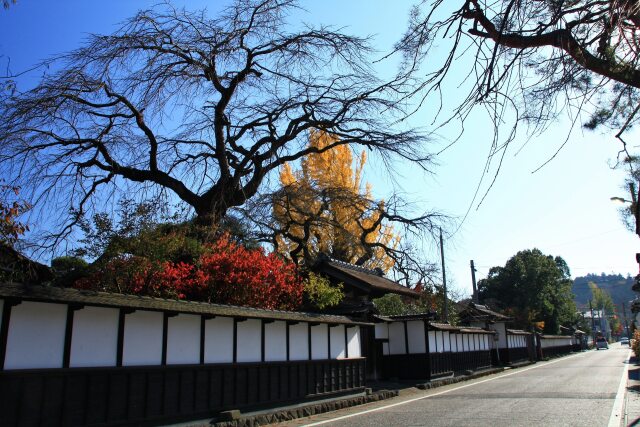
column 142, row 338
column 319, row 342
column 432, row 341
column 415, row 331
column 460, row 342
column 353, row 341
column 94, row 341
column 517, row 341
column 501, row 328
column 298, row 342
column 218, row 340
column 36, row 336
column 447, row 340
column 275, row 342
column 338, row 350
column 396, row 338
column 381, row 331
column 249, row 341
column 454, row 342
column 183, row 339
column 439, row 342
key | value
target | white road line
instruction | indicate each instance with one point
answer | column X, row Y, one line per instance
column 615, row 420
column 368, row 411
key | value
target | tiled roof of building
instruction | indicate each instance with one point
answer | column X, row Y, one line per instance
column 464, row 329
column 517, row 332
column 477, row 312
column 556, row 337
column 374, row 280
column 420, row 316
column 105, row 299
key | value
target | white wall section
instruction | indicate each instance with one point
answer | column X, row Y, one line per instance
column 415, row 331
column 381, row 331
column 353, row 340
column 36, row 336
column 337, row 337
column 432, row 342
column 218, row 340
column 396, row 338
column 447, row 340
column 319, row 342
column 249, row 341
column 183, row 339
column 142, row 338
column 299, row 341
column 275, row 341
column 94, row 341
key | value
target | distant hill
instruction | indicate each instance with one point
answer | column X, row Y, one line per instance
column 616, row 285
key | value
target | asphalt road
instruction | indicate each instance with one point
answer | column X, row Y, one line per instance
column 577, row 390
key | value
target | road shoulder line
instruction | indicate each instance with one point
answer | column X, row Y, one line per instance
column 616, row 418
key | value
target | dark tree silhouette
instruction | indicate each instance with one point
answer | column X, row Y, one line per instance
column 534, row 59
column 204, row 108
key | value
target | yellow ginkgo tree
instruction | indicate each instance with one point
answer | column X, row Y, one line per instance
column 324, row 207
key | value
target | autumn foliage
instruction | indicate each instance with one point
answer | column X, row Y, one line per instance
column 10, row 228
column 324, row 207
column 225, row 273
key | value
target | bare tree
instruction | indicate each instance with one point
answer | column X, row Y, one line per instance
column 534, row 58
column 204, row 108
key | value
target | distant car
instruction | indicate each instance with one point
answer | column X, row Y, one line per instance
column 624, row 341
column 601, row 342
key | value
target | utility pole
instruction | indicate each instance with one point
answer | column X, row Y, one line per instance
column 445, row 310
column 626, row 324
column 473, row 281
column 593, row 329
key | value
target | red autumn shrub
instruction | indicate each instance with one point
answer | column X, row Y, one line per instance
column 241, row 276
column 227, row 273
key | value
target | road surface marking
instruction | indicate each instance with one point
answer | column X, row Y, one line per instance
column 616, row 412
column 517, row 371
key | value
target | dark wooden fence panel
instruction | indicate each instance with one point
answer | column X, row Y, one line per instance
column 556, row 351
column 406, row 366
column 416, row 366
column 154, row 394
column 514, row 355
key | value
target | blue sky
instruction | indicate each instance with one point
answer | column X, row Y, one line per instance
column 563, row 209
